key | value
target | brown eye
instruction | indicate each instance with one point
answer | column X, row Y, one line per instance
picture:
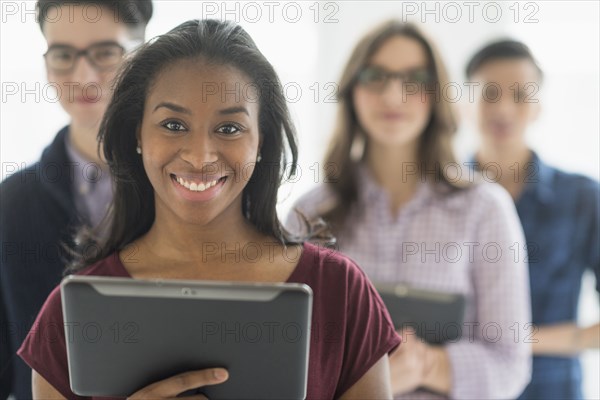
column 61, row 55
column 420, row 77
column 371, row 75
column 106, row 55
column 59, row 58
column 491, row 94
column 174, row 126
column 229, row 129
column 520, row 96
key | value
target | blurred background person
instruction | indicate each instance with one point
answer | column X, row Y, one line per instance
column 387, row 188
column 44, row 204
column 559, row 212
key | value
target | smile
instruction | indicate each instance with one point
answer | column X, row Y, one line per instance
column 197, row 186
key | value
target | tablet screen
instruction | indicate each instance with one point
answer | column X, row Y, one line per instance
column 124, row 334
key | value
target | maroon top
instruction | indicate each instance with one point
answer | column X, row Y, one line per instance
column 351, row 328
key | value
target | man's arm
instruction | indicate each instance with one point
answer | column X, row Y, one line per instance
column 565, row 339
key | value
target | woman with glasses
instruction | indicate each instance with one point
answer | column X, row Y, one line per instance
column 43, row 204
column 396, row 203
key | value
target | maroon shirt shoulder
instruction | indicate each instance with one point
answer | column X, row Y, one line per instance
column 44, row 348
column 351, row 329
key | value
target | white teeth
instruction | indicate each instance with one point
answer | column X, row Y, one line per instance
column 196, row 187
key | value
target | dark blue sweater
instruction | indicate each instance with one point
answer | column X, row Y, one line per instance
column 37, row 216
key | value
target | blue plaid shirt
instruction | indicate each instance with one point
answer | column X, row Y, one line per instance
column 560, row 215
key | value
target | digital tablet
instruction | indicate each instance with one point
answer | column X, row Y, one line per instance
column 123, row 334
column 436, row 317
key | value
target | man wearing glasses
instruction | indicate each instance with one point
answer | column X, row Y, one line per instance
column 70, row 187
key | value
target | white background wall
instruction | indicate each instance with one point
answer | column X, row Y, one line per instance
column 309, row 53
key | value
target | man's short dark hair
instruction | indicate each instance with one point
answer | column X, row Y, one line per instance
column 133, row 13
column 501, row 50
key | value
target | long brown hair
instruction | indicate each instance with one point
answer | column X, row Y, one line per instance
column 435, row 147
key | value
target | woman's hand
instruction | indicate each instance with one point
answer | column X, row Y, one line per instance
column 171, row 387
column 417, row 364
column 407, row 364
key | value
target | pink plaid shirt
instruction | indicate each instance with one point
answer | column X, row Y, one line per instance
column 468, row 242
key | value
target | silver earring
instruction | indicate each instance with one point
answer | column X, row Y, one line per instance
column 258, row 158
column 138, row 150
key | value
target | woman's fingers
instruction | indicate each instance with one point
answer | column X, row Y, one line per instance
column 171, row 387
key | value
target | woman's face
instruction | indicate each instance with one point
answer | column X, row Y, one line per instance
column 199, row 139
column 394, row 112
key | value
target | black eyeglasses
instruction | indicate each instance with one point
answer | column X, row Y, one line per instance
column 102, row 56
column 377, row 79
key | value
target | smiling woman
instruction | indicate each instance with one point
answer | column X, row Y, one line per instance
column 196, row 120
column 193, row 144
column 196, row 136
